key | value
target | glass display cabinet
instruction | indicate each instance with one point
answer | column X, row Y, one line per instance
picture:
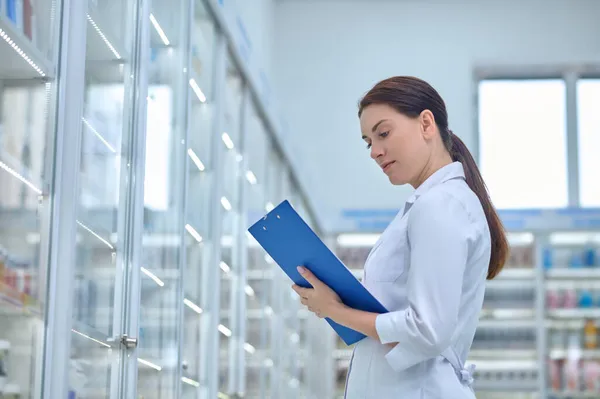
column 134, row 154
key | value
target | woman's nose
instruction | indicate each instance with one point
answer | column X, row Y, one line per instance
column 376, row 152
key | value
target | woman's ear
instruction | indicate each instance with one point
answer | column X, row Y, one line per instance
column 428, row 126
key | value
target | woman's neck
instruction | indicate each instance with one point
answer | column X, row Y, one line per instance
column 433, row 165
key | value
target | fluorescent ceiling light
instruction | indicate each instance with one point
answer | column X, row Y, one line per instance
column 225, row 267
column 152, row 276
column 227, row 140
column 192, row 306
column 159, row 30
column 193, row 233
column 149, row 364
column 249, row 348
column 250, row 177
column 197, row 90
column 224, row 330
column 226, row 204
column 191, row 382
column 196, row 160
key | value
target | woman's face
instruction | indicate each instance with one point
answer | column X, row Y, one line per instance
column 398, row 144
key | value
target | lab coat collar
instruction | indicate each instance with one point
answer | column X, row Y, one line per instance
column 443, row 174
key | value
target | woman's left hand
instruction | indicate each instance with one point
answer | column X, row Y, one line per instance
column 321, row 300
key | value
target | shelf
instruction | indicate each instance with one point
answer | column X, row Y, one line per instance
column 504, row 385
column 575, row 395
column 514, row 365
column 586, row 354
column 576, row 313
column 507, row 314
column 502, row 354
column 574, row 274
column 499, row 324
column 516, row 273
column 20, row 58
column 514, row 278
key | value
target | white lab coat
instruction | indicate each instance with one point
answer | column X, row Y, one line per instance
column 428, row 269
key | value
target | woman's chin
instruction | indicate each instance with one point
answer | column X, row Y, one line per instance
column 397, row 180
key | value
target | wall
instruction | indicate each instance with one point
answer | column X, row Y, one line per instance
column 328, row 53
column 258, row 21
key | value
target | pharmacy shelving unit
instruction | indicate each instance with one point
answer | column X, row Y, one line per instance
column 516, row 342
column 27, row 75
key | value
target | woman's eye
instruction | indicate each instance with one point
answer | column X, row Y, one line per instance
column 368, row 146
column 384, row 134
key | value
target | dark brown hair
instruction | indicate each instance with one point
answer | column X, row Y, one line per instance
column 410, row 96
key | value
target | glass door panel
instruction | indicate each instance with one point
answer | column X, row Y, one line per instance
column 200, row 173
column 29, row 35
column 161, row 293
column 104, row 183
column 260, row 304
column 231, row 201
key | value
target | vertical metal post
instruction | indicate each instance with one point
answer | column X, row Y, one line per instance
column 187, row 19
column 61, row 224
column 540, row 315
column 135, row 212
column 211, row 295
column 571, row 78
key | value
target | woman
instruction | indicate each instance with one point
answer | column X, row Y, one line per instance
column 430, row 265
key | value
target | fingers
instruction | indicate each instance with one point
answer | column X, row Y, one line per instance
column 303, row 292
column 309, row 276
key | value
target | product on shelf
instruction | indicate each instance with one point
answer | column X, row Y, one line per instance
column 574, row 258
column 591, row 376
column 570, row 298
column 554, row 299
column 554, row 368
column 21, row 14
column 590, row 334
column 572, row 364
column 520, row 257
column 586, row 300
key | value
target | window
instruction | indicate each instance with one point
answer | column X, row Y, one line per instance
column 588, row 122
column 523, row 147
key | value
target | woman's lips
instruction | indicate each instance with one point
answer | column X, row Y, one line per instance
column 386, row 166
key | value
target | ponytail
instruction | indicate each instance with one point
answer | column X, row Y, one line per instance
column 459, row 152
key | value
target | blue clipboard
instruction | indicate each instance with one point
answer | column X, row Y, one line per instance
column 291, row 243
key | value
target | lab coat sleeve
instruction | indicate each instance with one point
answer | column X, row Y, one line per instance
column 438, row 230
